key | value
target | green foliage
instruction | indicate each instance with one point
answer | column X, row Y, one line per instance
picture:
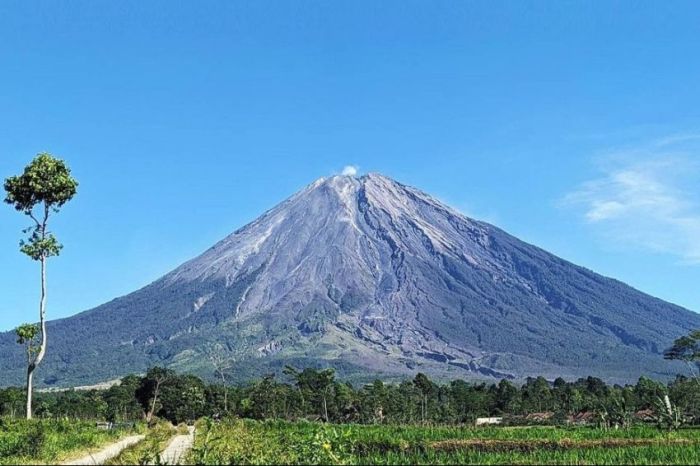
column 668, row 416
column 45, row 180
column 47, row 184
column 150, row 388
column 376, row 423
column 148, row 450
column 315, row 395
column 183, row 399
column 687, row 349
column 121, row 400
column 49, row 441
column 276, row 442
column 11, row 401
column 38, row 247
column 615, row 412
column 27, row 335
column 315, row 388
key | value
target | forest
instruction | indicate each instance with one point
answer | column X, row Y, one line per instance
column 314, row 394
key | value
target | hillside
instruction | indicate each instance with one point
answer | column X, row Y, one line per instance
column 373, row 278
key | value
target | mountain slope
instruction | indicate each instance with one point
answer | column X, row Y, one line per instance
column 374, row 278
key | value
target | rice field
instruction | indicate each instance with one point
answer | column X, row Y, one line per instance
column 276, row 442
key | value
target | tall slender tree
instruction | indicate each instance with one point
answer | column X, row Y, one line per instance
column 425, row 386
column 687, row 349
column 222, row 363
column 44, row 187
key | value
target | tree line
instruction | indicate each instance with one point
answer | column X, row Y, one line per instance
column 317, row 395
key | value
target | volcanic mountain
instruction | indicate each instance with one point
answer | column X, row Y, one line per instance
column 373, row 278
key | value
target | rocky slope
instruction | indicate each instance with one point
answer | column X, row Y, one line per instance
column 374, row 278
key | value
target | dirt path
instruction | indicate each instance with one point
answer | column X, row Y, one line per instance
column 99, row 457
column 178, row 448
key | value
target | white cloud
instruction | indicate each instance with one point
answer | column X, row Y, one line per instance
column 647, row 197
column 349, row 170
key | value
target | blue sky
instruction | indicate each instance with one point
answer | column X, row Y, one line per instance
column 572, row 125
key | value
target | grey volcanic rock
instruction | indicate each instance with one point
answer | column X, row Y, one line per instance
column 373, row 278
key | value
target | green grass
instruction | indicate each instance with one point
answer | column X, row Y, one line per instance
column 250, row 442
column 148, row 450
column 50, row 441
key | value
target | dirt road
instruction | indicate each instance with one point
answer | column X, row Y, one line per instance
column 178, row 448
column 106, row 453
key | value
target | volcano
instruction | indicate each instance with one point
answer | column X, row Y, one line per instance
column 375, row 279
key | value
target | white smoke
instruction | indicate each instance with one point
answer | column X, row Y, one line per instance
column 349, row 170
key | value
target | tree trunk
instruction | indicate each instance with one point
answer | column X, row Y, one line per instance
column 42, row 346
column 30, row 372
column 425, row 402
column 153, row 404
column 223, row 379
column 325, row 408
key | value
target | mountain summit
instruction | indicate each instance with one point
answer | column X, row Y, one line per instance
column 374, row 278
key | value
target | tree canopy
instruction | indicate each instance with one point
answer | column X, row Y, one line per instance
column 685, row 348
column 317, row 395
column 44, row 187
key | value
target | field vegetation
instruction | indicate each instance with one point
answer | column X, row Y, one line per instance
column 148, row 450
column 280, row 442
column 309, row 417
column 41, row 441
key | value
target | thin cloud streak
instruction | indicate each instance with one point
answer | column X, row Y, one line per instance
column 646, row 197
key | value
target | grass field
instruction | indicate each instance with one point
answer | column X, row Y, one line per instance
column 50, row 441
column 250, row 442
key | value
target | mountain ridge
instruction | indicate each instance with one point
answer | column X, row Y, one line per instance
column 373, row 277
